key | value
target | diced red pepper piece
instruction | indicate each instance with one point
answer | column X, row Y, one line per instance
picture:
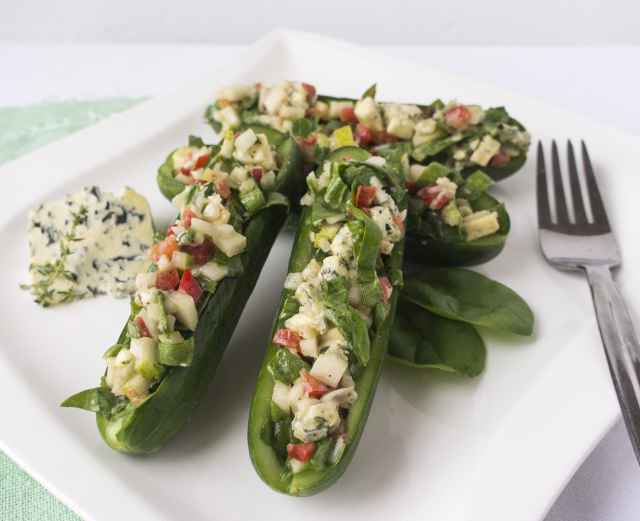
column 187, row 215
column 311, row 90
column 164, row 247
column 201, row 162
column 286, row 337
column 309, row 141
column 364, row 135
column 189, row 285
column 348, row 115
column 434, row 197
column 200, row 253
column 142, row 327
column 399, row 222
column 500, row 159
column 167, row 280
column 301, row 451
column 365, row 195
column 387, row 288
column 457, row 117
column 185, row 171
column 313, row 387
column 222, row 187
column 257, row 174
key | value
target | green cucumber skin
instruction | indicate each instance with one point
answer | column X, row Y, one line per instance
column 263, row 457
column 147, row 428
column 430, row 251
column 434, row 252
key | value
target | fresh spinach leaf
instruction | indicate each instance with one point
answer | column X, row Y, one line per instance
column 303, row 127
column 424, row 340
column 470, row 297
column 286, row 367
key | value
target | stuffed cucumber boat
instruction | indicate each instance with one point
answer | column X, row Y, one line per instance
column 463, row 137
column 186, row 306
column 320, row 371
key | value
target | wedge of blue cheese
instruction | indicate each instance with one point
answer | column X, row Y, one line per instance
column 89, row 243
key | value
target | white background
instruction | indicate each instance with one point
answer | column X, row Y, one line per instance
column 539, row 22
column 592, row 77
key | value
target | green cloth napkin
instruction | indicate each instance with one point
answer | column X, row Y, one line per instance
column 22, row 130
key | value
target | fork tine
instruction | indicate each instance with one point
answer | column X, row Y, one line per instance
column 562, row 214
column 576, row 192
column 597, row 206
column 544, row 212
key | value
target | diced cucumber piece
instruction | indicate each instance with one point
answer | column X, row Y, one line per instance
column 297, row 466
column 213, row 271
column 330, row 366
column 156, row 312
column 451, row 215
column 146, row 352
column 252, row 200
column 280, row 397
column 173, row 350
column 183, row 307
column 325, row 235
column 136, row 389
column 224, row 237
column 182, row 260
column 247, row 185
column 477, row 184
column 431, row 173
column 268, row 180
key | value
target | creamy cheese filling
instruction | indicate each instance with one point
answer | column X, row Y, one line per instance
column 197, row 253
column 319, row 397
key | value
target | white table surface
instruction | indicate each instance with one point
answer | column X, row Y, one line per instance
column 600, row 82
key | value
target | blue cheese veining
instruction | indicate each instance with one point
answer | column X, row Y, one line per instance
column 89, row 243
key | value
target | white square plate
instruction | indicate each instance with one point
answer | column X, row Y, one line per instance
column 501, row 446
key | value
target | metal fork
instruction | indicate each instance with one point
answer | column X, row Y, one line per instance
column 587, row 244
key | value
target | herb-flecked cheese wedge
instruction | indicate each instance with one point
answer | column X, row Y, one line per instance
column 320, row 371
column 186, row 307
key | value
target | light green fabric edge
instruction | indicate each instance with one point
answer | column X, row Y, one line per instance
column 23, row 129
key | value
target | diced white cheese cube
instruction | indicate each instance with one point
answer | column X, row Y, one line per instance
column 488, row 148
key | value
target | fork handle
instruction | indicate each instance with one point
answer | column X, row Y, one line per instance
column 621, row 347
